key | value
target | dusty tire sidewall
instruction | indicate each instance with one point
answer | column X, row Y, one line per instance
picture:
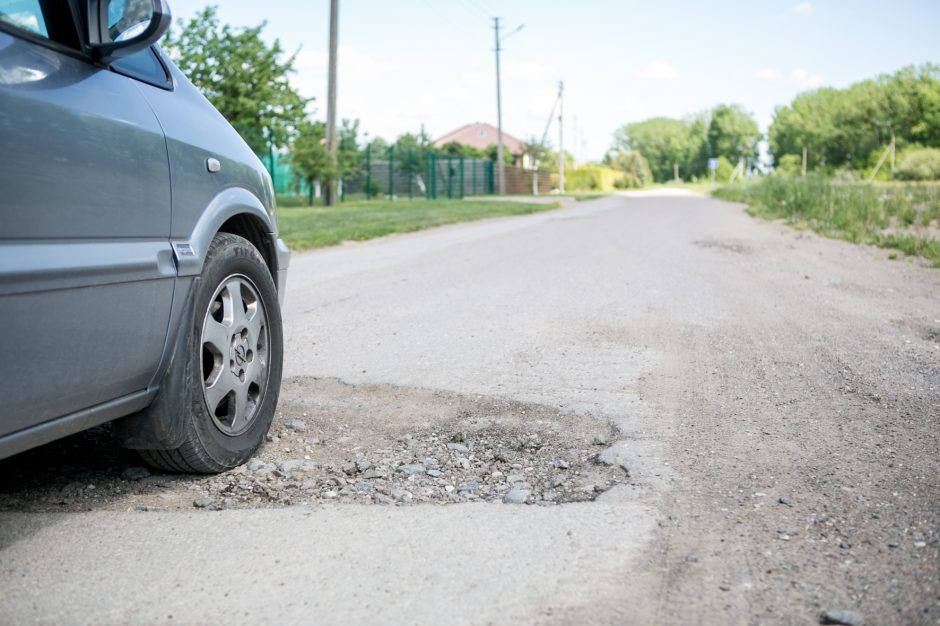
column 230, row 254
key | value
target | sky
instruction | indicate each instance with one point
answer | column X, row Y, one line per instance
column 408, row 63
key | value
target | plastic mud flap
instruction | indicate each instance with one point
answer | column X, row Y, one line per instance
column 160, row 426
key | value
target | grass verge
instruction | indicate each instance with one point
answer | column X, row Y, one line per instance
column 902, row 216
column 318, row 226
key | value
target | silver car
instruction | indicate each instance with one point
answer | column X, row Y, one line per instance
column 140, row 266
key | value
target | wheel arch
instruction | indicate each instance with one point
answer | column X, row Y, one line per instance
column 236, row 211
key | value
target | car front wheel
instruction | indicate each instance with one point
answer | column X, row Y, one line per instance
column 235, row 364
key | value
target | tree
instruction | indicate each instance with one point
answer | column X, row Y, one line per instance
column 454, row 148
column 244, row 78
column 348, row 161
column 636, row 171
column 850, row 128
column 537, row 151
column 410, row 152
column 664, row 142
column 550, row 161
column 733, row 134
column 308, row 155
column 492, row 153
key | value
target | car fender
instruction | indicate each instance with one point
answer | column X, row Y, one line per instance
column 191, row 253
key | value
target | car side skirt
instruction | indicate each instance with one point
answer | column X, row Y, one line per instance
column 46, row 432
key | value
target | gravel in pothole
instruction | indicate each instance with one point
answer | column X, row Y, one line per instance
column 333, row 442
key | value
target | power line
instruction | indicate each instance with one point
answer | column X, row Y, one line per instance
column 472, row 6
column 480, row 7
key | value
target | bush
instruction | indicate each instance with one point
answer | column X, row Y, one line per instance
column 790, row 164
column 633, row 167
column 591, row 178
column 919, row 164
column 372, row 189
column 724, row 171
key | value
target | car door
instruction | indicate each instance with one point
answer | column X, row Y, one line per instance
column 86, row 268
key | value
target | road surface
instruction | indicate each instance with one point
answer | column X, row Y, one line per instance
column 764, row 402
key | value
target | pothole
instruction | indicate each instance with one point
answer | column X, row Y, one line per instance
column 730, row 246
column 334, row 442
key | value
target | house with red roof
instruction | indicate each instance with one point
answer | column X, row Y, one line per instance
column 481, row 135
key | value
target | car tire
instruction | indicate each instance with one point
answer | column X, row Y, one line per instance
column 235, row 362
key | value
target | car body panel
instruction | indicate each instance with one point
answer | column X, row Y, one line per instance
column 85, row 260
column 107, row 212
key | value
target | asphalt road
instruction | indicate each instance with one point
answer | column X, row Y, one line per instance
column 773, row 396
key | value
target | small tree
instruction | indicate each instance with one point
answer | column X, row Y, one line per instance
column 537, row 152
column 243, row 77
column 454, row 148
column 308, row 155
column 348, row 161
column 631, row 164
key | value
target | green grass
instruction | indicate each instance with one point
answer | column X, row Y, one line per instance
column 317, row 226
column 890, row 215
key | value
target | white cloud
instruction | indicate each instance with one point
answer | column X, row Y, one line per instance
column 805, row 80
column 658, row 70
column 769, row 74
column 803, row 8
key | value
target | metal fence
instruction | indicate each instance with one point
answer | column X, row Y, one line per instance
column 396, row 173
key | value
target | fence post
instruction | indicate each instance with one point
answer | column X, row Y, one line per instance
column 491, row 190
column 427, row 179
column 461, row 177
column 473, row 176
column 411, row 175
column 450, row 178
column 391, row 172
column 368, row 170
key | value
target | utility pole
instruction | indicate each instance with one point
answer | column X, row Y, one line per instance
column 561, row 137
column 499, row 116
column 331, row 146
column 500, row 159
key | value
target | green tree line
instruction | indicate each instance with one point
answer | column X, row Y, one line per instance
column 681, row 148
column 849, row 129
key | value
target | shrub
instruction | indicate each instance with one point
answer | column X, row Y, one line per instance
column 919, row 164
column 724, row 171
column 791, row 164
column 591, row 178
column 372, row 189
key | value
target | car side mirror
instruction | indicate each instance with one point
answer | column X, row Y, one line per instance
column 119, row 28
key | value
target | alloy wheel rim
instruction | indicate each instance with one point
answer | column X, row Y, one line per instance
column 234, row 349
